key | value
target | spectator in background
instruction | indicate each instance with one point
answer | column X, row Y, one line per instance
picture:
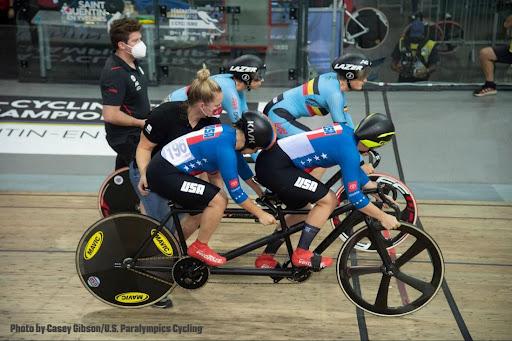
column 490, row 55
column 415, row 56
column 6, row 12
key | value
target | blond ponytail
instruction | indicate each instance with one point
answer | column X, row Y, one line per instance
column 202, row 87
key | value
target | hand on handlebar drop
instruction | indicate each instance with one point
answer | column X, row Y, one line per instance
column 143, row 186
column 389, row 222
column 267, row 219
column 376, row 196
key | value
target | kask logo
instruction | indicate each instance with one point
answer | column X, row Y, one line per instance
column 250, row 131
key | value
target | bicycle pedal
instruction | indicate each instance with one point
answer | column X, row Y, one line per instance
column 276, row 279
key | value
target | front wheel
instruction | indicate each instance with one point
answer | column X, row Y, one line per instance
column 104, row 261
column 404, row 198
column 416, row 268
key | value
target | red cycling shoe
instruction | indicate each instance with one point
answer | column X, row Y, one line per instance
column 202, row 252
column 266, row 261
column 306, row 258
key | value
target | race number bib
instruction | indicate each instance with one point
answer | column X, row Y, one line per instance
column 177, row 152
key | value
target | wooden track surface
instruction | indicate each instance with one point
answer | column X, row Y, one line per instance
column 39, row 284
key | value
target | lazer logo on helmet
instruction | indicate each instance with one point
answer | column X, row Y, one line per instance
column 351, row 67
column 243, row 69
column 250, row 132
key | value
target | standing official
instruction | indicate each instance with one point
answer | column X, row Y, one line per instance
column 124, row 90
column 124, row 93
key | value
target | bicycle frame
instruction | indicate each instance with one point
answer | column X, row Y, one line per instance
column 284, row 232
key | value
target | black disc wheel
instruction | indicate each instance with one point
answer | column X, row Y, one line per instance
column 411, row 280
column 400, row 193
column 117, row 194
column 105, row 265
column 190, row 273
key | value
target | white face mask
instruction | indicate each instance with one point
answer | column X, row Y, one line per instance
column 139, row 50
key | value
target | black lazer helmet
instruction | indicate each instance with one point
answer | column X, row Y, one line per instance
column 375, row 130
column 352, row 66
column 258, row 130
column 247, row 68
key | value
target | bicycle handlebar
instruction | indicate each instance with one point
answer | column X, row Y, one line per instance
column 387, row 201
column 270, row 201
column 374, row 158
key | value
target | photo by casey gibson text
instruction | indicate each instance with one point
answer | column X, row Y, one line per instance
column 40, row 328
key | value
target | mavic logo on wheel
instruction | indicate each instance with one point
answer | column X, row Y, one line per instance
column 243, row 69
column 93, row 245
column 132, row 297
column 350, row 67
column 310, row 185
column 162, row 243
column 190, row 187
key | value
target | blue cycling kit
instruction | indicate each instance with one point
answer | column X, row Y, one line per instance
column 317, row 97
column 333, row 145
column 233, row 101
column 211, row 149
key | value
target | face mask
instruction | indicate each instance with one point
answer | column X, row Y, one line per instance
column 215, row 113
column 139, row 50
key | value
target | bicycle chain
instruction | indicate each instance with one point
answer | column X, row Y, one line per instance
column 158, row 258
column 154, row 258
column 292, row 282
column 151, row 276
